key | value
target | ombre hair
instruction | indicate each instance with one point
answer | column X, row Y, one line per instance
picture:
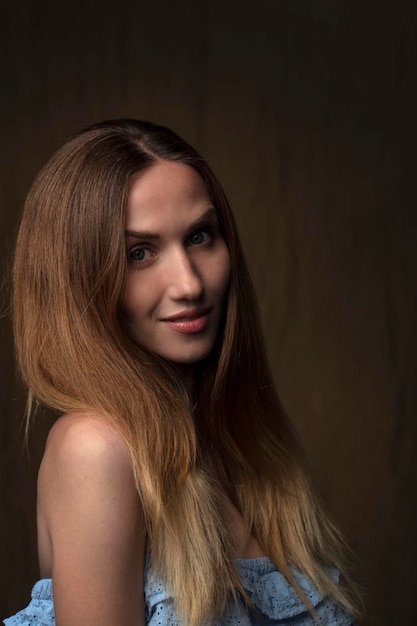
column 75, row 355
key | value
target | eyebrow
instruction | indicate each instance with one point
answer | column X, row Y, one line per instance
column 201, row 221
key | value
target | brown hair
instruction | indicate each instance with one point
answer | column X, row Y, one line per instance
column 74, row 354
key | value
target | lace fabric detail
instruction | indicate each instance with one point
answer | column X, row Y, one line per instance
column 276, row 601
column 40, row 611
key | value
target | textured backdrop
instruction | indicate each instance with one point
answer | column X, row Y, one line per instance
column 307, row 112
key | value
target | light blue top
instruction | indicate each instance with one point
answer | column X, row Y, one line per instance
column 267, row 588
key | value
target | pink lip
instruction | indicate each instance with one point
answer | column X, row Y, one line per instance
column 188, row 321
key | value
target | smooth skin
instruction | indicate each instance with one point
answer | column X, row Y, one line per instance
column 90, row 525
column 179, row 264
column 91, row 528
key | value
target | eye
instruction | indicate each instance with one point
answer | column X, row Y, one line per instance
column 139, row 254
column 200, row 237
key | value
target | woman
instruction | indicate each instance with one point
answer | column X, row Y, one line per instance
column 172, row 489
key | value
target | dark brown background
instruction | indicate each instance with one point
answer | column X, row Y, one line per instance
column 307, row 112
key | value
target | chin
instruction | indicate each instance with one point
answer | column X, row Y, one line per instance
column 187, row 360
column 188, row 357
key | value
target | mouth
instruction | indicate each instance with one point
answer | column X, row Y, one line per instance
column 189, row 320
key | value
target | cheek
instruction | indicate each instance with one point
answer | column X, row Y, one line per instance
column 222, row 272
column 136, row 299
column 129, row 299
column 129, row 312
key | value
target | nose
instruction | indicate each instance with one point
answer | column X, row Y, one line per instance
column 184, row 280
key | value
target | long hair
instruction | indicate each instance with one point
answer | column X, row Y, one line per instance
column 75, row 355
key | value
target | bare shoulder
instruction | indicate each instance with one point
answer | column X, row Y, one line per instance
column 79, row 435
column 84, row 452
column 90, row 523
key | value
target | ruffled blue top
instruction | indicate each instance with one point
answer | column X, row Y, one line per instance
column 271, row 594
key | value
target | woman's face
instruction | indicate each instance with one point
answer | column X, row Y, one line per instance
column 179, row 264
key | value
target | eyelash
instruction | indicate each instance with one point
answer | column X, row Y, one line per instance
column 143, row 248
column 132, row 251
column 200, row 231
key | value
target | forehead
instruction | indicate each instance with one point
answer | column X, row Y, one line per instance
column 166, row 194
